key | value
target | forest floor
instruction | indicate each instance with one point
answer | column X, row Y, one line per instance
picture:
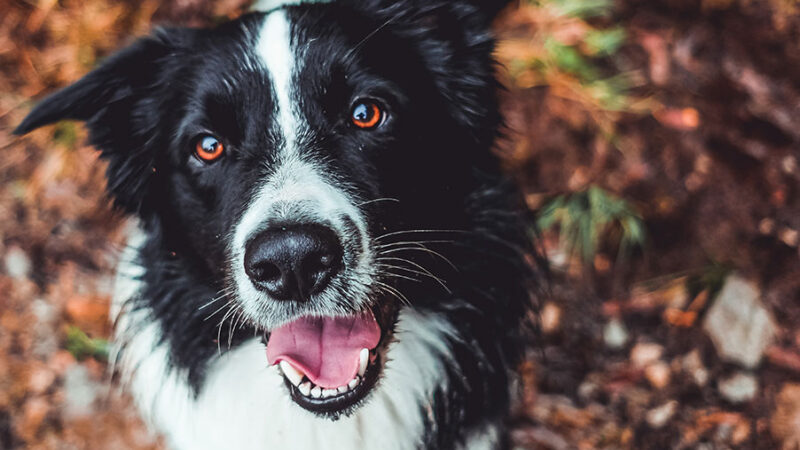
column 657, row 142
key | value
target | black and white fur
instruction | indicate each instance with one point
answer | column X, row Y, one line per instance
column 434, row 235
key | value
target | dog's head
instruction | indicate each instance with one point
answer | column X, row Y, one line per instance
column 290, row 155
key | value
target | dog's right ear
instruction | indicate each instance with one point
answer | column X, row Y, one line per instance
column 123, row 103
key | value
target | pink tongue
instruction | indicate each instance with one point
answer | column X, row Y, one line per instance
column 325, row 349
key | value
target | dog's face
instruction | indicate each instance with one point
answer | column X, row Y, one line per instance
column 286, row 154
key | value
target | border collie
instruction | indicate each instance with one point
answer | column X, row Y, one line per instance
column 327, row 254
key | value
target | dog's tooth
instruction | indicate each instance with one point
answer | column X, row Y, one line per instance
column 342, row 389
column 329, row 393
column 316, row 392
column 294, row 376
column 354, row 382
column 305, row 388
column 363, row 359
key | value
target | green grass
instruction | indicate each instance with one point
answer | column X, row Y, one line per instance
column 584, row 219
column 82, row 346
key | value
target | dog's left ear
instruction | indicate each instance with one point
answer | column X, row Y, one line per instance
column 122, row 102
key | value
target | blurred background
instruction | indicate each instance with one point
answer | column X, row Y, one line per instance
column 657, row 143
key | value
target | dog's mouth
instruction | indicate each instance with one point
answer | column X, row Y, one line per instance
column 330, row 364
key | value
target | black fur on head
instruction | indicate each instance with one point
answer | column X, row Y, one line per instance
column 429, row 64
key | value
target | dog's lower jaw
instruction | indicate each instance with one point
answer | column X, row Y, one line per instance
column 243, row 403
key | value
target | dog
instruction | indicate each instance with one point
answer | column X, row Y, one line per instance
column 326, row 253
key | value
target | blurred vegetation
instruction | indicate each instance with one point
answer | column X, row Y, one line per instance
column 82, row 346
column 572, row 50
column 584, row 219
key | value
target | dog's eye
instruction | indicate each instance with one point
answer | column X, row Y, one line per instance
column 366, row 115
column 208, row 148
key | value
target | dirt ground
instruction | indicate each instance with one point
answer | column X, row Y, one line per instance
column 657, row 142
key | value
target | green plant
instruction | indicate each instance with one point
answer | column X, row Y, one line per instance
column 584, row 218
column 569, row 48
column 82, row 346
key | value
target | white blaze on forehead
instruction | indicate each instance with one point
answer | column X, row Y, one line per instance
column 296, row 188
column 278, row 56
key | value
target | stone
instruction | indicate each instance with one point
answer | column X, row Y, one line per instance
column 615, row 335
column 658, row 374
column 739, row 388
column 693, row 365
column 80, row 392
column 661, row 415
column 550, row 318
column 17, row 262
column 40, row 380
column 740, row 327
column 644, row 354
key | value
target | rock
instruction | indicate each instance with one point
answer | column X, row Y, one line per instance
column 789, row 237
column 46, row 342
column 785, row 421
column 740, row 327
column 658, row 374
column 615, row 335
column 550, row 318
column 658, row 417
column 693, row 365
column 739, row 388
column 80, row 392
column 40, row 379
column 644, row 354
column 789, row 164
column 17, row 262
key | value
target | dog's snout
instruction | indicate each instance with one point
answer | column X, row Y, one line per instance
column 293, row 263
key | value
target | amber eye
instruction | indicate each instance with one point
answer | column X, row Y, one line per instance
column 366, row 115
column 208, row 148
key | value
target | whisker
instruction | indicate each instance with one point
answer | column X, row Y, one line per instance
column 403, row 277
column 385, row 199
column 395, row 233
column 232, row 329
column 220, row 295
column 227, row 304
column 418, row 266
column 406, row 269
column 424, row 249
column 221, row 324
column 394, row 292
column 394, row 244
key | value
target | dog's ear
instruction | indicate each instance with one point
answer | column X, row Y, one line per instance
column 120, row 101
column 456, row 44
column 115, row 79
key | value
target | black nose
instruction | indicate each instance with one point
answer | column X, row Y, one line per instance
column 293, row 263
